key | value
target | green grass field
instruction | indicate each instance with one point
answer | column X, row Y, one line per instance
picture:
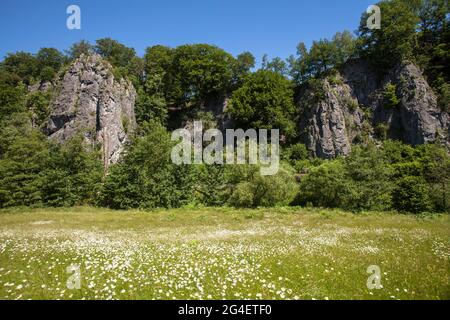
column 222, row 253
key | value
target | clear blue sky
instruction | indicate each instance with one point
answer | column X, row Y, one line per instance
column 274, row 27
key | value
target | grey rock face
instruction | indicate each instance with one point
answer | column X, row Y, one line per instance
column 419, row 118
column 353, row 105
column 42, row 86
column 92, row 102
column 331, row 121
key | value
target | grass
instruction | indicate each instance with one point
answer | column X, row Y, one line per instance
column 222, row 253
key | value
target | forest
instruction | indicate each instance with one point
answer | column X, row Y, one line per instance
column 175, row 85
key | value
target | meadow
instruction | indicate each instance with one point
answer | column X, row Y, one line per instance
column 222, row 253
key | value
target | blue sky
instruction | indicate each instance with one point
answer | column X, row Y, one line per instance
column 260, row 26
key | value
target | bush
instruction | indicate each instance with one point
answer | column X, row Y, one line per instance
column 146, row 177
column 243, row 195
column 73, row 175
column 411, row 195
column 371, row 177
column 326, row 186
column 20, row 170
column 248, row 188
column 390, row 99
column 295, row 152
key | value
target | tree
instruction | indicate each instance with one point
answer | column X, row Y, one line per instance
column 73, row 174
column 276, row 65
column 265, row 100
column 322, row 56
column 50, row 58
column 79, row 48
column 248, row 188
column 390, row 99
column 245, row 62
column 326, row 186
column 395, row 40
column 22, row 66
column 435, row 164
column 199, row 72
column 38, row 103
column 12, row 100
column 434, row 47
column 151, row 103
column 116, row 53
column 146, row 177
column 411, row 195
column 372, row 179
column 20, row 170
column 158, row 59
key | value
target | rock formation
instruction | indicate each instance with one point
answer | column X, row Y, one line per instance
column 90, row 101
column 350, row 105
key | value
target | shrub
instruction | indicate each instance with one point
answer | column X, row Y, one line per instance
column 248, row 188
column 390, row 99
column 146, row 177
column 411, row 195
column 325, row 186
column 295, row 152
column 243, row 195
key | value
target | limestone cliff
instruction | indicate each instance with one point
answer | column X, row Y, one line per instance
column 90, row 101
column 350, row 106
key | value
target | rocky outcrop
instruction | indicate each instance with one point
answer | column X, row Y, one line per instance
column 350, row 106
column 323, row 122
column 90, row 101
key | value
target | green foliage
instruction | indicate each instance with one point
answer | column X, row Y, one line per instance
column 244, row 63
column 248, row 188
column 434, row 41
column 352, row 104
column 210, row 185
column 122, row 58
column 435, row 163
column 276, row 65
column 12, row 100
column 79, row 48
column 146, row 178
column 73, row 175
column 325, row 186
column 199, row 71
column 396, row 39
column 411, row 195
column 295, row 152
column 113, row 51
column 50, row 59
column 27, row 68
column 390, row 99
column 443, row 92
column 34, row 172
column 21, row 164
column 316, row 85
column 265, row 100
column 38, row 103
column 382, row 130
column 151, row 103
column 371, row 177
column 47, row 74
column 322, row 56
column 21, row 66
